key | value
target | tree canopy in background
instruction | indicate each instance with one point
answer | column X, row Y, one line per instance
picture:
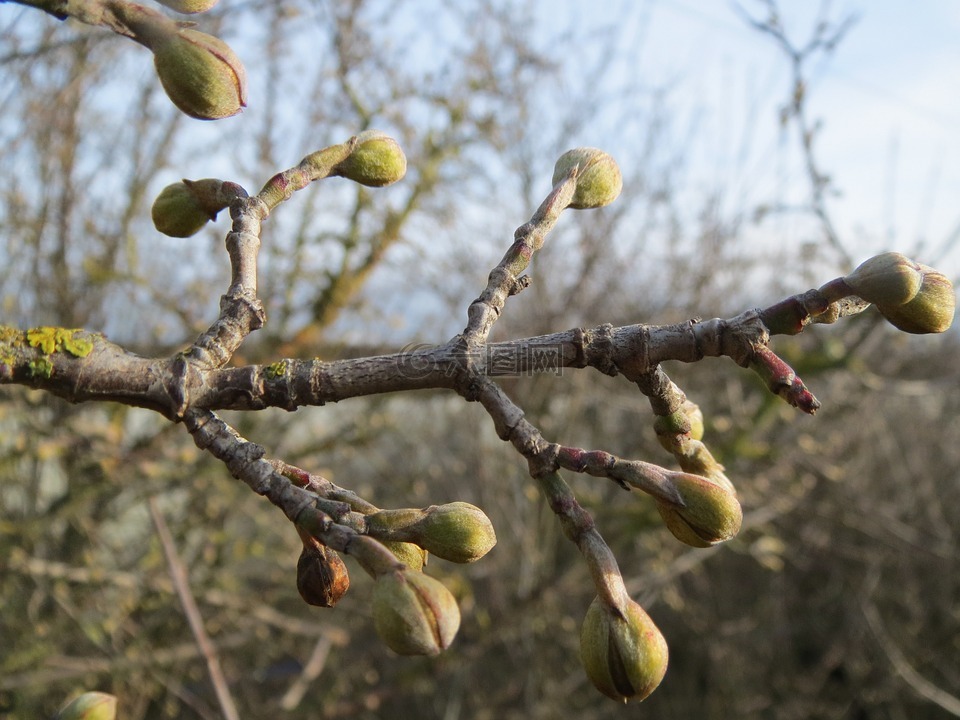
column 838, row 596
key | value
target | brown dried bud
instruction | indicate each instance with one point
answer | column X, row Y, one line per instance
column 624, row 654
column 322, row 577
column 931, row 309
column 413, row 613
column 710, row 514
column 598, row 177
column 90, row 706
column 201, row 74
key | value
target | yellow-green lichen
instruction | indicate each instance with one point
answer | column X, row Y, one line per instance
column 40, row 368
column 51, row 339
column 276, row 370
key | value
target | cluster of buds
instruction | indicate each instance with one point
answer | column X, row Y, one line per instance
column 413, row 613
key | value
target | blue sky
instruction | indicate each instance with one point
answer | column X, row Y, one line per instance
column 888, row 99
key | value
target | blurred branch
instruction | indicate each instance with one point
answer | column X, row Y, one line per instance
column 179, row 576
column 914, row 679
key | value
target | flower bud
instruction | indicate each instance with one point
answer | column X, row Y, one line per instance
column 413, row 613
column 458, row 532
column 189, row 7
column 710, row 514
column 90, row 706
column 598, row 179
column 624, row 654
column 322, row 577
column 201, row 74
column 931, row 309
column 182, row 208
column 413, row 556
column 376, row 160
column 886, row 279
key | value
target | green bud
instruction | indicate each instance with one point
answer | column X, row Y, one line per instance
column 90, row 706
column 376, row 160
column 598, row 179
column 189, row 7
column 182, row 208
column 413, row 613
column 624, row 654
column 201, row 74
column 931, row 309
column 322, row 577
column 887, row 279
column 458, row 532
column 413, row 556
column 710, row 514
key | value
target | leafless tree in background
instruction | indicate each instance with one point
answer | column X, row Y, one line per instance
column 838, row 597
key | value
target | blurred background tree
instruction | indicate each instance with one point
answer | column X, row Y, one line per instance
column 840, row 596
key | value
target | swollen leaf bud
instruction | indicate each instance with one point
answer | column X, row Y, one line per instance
column 90, row 706
column 931, row 309
column 182, row 208
column 189, row 7
column 710, row 514
column 624, row 654
column 322, row 577
column 413, row 613
column 376, row 160
column 201, row 74
column 886, row 279
column 598, row 178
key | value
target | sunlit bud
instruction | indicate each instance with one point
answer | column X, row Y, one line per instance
column 188, row 7
column 201, row 74
column 624, row 654
column 413, row 613
column 710, row 514
column 322, row 577
column 458, row 531
column 90, row 706
column 598, row 179
column 413, row 556
column 887, row 279
column 930, row 311
column 376, row 160
column 182, row 208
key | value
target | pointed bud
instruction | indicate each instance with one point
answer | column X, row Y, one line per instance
column 201, row 74
column 710, row 514
column 413, row 613
column 886, row 279
column 322, row 577
column 624, row 654
column 376, row 160
column 930, row 311
column 90, row 706
column 598, row 178
column 182, row 208
column 188, row 7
